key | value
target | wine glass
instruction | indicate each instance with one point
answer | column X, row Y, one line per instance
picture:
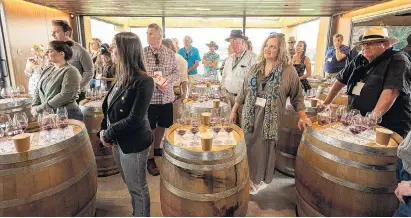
column 88, row 95
column 216, row 127
column 2, row 133
column 340, row 111
column 228, row 128
column 345, row 119
column 62, row 120
column 378, row 116
column 47, row 123
column 21, row 89
column 180, row 121
column 22, row 119
column 4, row 93
column 194, row 129
column 18, row 129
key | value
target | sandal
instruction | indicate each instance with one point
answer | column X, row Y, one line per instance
column 257, row 188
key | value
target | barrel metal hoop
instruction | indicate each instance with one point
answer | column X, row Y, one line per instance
column 203, row 156
column 86, row 209
column 348, row 184
column 324, row 154
column 48, row 192
column 203, row 197
column 105, row 157
column 197, row 167
column 307, row 205
column 361, row 149
column 285, row 154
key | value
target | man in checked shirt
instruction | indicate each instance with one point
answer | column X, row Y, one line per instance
column 159, row 60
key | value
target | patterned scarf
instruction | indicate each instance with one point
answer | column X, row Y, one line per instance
column 270, row 113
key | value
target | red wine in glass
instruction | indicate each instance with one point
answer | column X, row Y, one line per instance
column 345, row 123
column 181, row 132
column 23, row 126
column 195, row 124
column 322, row 122
column 62, row 125
column 216, row 129
column 194, row 130
column 228, row 129
column 355, row 130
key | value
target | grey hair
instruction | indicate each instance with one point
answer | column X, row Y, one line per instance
column 188, row 37
column 156, row 27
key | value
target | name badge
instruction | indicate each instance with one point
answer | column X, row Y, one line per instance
column 260, row 102
column 158, row 73
column 329, row 59
column 357, row 88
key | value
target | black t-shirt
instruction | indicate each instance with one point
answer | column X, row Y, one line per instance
column 390, row 73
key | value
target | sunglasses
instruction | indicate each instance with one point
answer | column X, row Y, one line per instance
column 157, row 59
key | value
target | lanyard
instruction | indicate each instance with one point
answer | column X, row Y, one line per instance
column 237, row 62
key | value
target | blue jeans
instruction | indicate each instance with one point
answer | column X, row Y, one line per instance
column 132, row 169
column 404, row 210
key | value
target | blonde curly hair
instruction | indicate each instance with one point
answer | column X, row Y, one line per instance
column 283, row 56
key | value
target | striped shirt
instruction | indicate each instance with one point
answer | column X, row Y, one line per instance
column 168, row 66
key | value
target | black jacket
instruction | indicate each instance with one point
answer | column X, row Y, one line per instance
column 129, row 125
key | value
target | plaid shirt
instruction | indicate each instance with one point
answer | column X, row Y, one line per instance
column 169, row 68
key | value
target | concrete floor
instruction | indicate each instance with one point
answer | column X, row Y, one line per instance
column 113, row 199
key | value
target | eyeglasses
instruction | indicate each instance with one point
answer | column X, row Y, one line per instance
column 157, row 59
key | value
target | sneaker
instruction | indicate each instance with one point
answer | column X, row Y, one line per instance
column 158, row 152
column 152, row 167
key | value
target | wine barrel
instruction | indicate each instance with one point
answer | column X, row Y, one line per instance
column 289, row 137
column 93, row 115
column 56, row 180
column 197, row 183
column 22, row 104
column 338, row 178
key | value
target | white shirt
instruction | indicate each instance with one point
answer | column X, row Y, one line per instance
column 233, row 75
column 183, row 65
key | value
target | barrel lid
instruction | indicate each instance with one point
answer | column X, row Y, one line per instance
column 8, row 102
column 217, row 153
column 335, row 136
column 40, row 148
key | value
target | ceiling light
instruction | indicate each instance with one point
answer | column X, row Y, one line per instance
column 306, row 9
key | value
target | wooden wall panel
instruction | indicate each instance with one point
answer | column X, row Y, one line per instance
column 27, row 24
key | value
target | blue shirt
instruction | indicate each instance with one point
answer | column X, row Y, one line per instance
column 331, row 63
column 191, row 57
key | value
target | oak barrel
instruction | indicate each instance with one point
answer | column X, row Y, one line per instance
column 21, row 104
column 50, row 179
column 93, row 115
column 289, row 137
column 338, row 178
column 196, row 183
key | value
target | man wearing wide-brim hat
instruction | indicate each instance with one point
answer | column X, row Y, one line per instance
column 379, row 81
column 210, row 60
column 237, row 66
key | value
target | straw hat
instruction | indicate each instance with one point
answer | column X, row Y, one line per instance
column 212, row 43
column 376, row 34
column 291, row 39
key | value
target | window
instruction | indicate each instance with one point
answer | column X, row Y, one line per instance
column 308, row 32
column 258, row 29
column 102, row 30
column 202, row 31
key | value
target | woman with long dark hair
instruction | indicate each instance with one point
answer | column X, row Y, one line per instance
column 59, row 84
column 125, row 125
column 302, row 63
